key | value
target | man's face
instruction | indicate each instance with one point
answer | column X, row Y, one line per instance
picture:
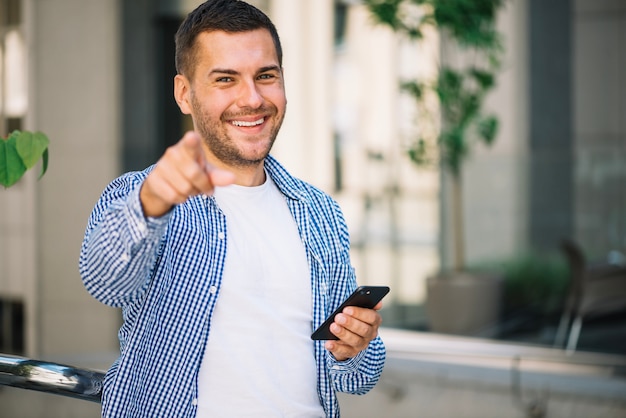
column 237, row 95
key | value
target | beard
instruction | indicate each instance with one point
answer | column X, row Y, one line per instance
column 223, row 146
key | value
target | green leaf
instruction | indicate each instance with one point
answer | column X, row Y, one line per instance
column 44, row 164
column 454, row 146
column 470, row 106
column 418, row 152
column 31, row 147
column 11, row 166
column 385, row 12
column 413, row 88
column 470, row 22
column 487, row 129
column 485, row 79
column 450, row 79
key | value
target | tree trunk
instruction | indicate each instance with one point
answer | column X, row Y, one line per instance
column 458, row 228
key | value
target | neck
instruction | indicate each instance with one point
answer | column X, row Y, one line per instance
column 249, row 176
column 245, row 175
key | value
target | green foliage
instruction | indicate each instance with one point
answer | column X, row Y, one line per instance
column 470, row 22
column 461, row 92
column 394, row 13
column 532, row 282
column 19, row 152
column 536, row 282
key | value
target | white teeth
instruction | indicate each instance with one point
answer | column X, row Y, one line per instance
column 248, row 124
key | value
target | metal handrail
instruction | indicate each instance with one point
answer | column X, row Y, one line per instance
column 70, row 381
column 58, row 379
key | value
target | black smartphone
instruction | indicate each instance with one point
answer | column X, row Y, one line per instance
column 363, row 297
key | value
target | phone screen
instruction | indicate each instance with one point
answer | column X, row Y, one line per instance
column 363, row 297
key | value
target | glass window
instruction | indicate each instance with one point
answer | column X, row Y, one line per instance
column 11, row 326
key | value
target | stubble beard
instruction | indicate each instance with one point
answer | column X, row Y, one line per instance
column 223, row 146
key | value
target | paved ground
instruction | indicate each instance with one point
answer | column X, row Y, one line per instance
column 405, row 391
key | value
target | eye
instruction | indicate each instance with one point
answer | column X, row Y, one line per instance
column 266, row 76
column 224, row 80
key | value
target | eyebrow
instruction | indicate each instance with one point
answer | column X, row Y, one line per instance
column 270, row 68
column 223, row 71
column 233, row 72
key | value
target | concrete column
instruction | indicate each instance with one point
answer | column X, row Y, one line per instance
column 496, row 177
column 305, row 142
column 551, row 203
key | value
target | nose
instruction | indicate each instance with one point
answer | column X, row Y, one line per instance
column 249, row 95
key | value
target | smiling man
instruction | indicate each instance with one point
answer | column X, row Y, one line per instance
column 222, row 262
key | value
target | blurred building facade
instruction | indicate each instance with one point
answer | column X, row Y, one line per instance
column 95, row 75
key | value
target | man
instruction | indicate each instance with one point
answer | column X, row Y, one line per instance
column 222, row 262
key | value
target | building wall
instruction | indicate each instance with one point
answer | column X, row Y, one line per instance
column 550, row 198
column 557, row 168
column 496, row 178
column 74, row 97
column 75, row 79
column 599, row 106
column 304, row 144
column 17, row 205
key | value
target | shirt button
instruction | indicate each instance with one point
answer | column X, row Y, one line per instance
column 194, row 402
column 125, row 257
column 141, row 227
column 221, row 235
column 212, row 289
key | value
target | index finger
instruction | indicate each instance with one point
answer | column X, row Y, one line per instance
column 350, row 309
column 369, row 316
column 192, row 143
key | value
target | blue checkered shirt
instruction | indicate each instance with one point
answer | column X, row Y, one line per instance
column 165, row 273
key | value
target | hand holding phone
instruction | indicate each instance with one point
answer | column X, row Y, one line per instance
column 362, row 297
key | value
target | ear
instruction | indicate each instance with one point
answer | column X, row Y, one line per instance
column 181, row 93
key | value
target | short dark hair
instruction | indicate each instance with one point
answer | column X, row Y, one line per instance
column 224, row 15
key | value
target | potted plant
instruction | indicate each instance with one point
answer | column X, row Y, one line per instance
column 535, row 284
column 19, row 152
column 534, row 290
column 457, row 301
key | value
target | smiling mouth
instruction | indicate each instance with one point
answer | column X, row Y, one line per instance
column 245, row 124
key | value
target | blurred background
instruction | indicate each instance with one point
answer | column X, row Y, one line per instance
column 530, row 322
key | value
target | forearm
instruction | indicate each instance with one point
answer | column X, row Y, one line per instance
column 120, row 248
column 359, row 374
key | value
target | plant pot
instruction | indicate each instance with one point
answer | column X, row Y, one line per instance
column 464, row 303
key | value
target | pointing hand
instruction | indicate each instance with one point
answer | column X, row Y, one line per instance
column 182, row 172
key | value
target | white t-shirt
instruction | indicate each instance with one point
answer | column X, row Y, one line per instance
column 259, row 360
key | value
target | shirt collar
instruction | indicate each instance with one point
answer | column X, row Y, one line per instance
column 287, row 184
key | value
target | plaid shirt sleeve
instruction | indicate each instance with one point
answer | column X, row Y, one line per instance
column 118, row 228
column 359, row 374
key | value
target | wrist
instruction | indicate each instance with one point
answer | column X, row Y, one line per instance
column 151, row 204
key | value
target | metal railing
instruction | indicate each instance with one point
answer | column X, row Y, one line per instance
column 58, row 379
column 562, row 370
